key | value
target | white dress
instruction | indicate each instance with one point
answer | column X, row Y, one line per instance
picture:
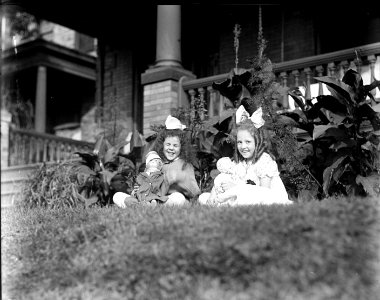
column 248, row 194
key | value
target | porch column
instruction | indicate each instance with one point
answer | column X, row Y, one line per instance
column 6, row 119
column 161, row 81
column 40, row 114
column 168, row 42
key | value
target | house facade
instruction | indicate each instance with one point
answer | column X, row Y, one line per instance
column 152, row 59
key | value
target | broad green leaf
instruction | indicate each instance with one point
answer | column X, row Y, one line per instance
column 300, row 120
column 336, row 119
column 321, row 129
column 340, row 87
column 304, row 138
column 367, row 146
column 376, row 108
column 315, row 112
column 110, row 154
column 333, row 172
column 373, row 85
column 229, row 89
column 297, row 96
column 287, row 121
column 137, row 140
column 353, row 79
column 98, row 144
column 371, row 184
column 297, row 115
column 351, row 143
column 332, row 104
column 90, row 160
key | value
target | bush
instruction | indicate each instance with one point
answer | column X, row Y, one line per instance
column 51, row 186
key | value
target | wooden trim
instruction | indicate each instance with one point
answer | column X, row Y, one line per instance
column 295, row 64
column 40, row 52
column 52, row 137
column 321, row 59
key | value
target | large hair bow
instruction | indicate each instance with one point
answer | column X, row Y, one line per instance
column 173, row 123
column 256, row 118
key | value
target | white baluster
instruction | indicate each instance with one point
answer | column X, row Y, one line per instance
column 284, row 81
column 211, row 103
column 308, row 72
column 320, row 70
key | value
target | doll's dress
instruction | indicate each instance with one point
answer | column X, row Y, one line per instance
column 248, row 194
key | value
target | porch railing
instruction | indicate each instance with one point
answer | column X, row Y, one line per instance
column 29, row 147
column 298, row 72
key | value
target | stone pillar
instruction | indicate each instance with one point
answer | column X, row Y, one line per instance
column 40, row 114
column 168, row 43
column 6, row 119
column 161, row 94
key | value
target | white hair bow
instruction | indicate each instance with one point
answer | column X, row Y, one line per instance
column 173, row 123
column 256, row 118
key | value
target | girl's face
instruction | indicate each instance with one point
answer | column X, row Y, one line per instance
column 172, row 147
column 245, row 144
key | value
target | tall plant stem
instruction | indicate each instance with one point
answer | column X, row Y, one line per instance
column 237, row 32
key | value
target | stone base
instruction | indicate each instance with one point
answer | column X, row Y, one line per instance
column 157, row 74
column 161, row 94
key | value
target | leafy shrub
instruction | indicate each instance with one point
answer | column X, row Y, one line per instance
column 90, row 180
column 253, row 88
column 51, row 186
column 337, row 151
column 342, row 135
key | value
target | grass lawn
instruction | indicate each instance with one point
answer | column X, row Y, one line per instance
column 321, row 250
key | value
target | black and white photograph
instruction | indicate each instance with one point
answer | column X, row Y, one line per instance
column 224, row 150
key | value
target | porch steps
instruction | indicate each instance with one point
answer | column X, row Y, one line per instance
column 12, row 182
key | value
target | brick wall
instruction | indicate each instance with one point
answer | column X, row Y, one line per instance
column 159, row 100
column 118, row 87
column 117, row 91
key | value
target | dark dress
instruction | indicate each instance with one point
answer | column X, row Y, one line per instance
column 151, row 187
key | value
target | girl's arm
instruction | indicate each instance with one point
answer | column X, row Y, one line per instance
column 266, row 168
column 181, row 180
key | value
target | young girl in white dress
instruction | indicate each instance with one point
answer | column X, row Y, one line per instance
column 259, row 180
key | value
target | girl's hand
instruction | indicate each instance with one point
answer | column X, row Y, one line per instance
column 226, row 186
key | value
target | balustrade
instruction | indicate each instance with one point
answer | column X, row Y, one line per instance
column 294, row 73
column 29, row 147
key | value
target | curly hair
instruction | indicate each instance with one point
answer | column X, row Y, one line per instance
column 186, row 152
column 260, row 138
